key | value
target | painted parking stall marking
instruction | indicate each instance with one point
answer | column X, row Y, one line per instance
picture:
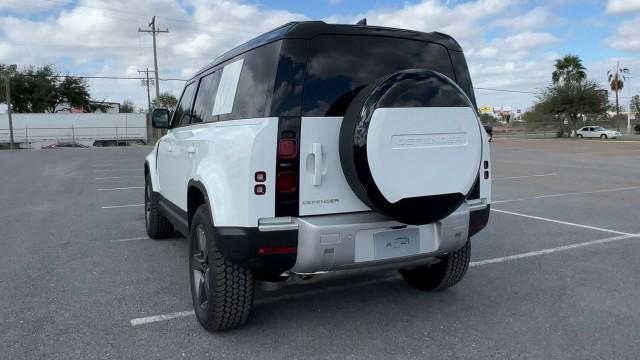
column 628, row 188
column 273, row 299
column 118, row 177
column 122, row 188
column 562, row 222
column 524, row 176
column 122, row 206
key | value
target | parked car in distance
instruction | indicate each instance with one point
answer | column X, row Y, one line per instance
column 597, row 132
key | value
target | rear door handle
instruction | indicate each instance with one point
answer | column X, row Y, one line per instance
column 316, row 150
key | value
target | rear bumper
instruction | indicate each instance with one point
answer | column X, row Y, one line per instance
column 343, row 242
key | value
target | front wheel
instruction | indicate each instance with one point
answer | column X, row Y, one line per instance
column 156, row 224
column 222, row 291
column 579, row 136
column 442, row 275
column 603, row 137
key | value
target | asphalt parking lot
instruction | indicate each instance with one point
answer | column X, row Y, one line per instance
column 554, row 276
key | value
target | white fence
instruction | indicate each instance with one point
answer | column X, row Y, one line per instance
column 82, row 128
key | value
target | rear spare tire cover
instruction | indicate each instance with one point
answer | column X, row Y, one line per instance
column 410, row 146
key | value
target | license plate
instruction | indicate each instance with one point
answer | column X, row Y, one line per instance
column 396, row 243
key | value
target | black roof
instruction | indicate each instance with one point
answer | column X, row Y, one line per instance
column 310, row 29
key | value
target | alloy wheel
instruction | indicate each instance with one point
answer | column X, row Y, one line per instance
column 200, row 267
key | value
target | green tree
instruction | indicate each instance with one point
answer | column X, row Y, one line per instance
column 616, row 81
column 43, row 90
column 488, row 119
column 635, row 106
column 568, row 69
column 127, row 106
column 166, row 100
column 572, row 100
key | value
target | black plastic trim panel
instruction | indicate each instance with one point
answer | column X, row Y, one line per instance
column 478, row 220
column 240, row 245
column 287, row 204
column 176, row 216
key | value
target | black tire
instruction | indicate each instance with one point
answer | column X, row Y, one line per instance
column 603, row 137
column 157, row 226
column 222, row 292
column 579, row 136
column 442, row 275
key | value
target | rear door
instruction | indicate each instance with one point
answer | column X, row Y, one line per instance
column 173, row 156
column 339, row 66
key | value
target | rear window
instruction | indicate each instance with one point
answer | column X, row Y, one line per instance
column 340, row 66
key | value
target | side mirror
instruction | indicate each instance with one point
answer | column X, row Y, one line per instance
column 160, row 118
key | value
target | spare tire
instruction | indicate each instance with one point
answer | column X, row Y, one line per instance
column 410, row 146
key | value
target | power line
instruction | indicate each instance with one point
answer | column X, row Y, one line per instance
column 99, row 77
column 507, row 90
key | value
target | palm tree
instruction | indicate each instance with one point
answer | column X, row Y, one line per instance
column 569, row 69
column 616, row 81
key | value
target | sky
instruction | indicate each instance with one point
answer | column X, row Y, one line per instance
column 509, row 44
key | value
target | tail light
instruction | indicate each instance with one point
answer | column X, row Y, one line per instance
column 287, row 166
column 287, row 149
column 286, row 182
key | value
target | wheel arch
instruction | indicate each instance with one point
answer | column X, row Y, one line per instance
column 196, row 196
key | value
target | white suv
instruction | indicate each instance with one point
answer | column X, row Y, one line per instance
column 317, row 149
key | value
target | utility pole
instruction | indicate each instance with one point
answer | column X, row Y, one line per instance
column 629, row 108
column 7, row 85
column 150, row 131
column 153, row 33
column 147, row 83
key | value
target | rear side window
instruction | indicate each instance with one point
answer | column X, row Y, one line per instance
column 182, row 116
column 207, row 90
column 254, row 86
column 228, row 87
column 340, row 66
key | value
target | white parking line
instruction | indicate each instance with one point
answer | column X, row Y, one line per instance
column 272, row 299
column 553, row 250
column 562, row 222
column 103, row 170
column 123, row 188
column 119, row 177
column 129, row 239
column 163, row 317
column 524, row 176
column 112, row 163
column 121, row 206
column 568, row 194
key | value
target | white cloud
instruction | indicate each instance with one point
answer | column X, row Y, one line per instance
column 536, row 18
column 627, row 36
column 102, row 42
column 30, row 6
column 622, row 6
column 90, row 39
